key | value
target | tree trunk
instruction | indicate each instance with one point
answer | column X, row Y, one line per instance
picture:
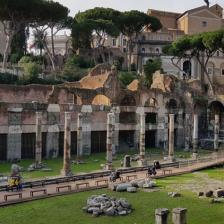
column 52, row 42
column 49, row 55
column 205, row 72
column 9, row 38
column 129, row 55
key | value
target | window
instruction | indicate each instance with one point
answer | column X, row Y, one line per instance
column 210, row 71
column 143, row 50
column 157, row 50
column 114, row 42
column 222, row 71
column 204, row 23
column 124, row 42
column 124, row 50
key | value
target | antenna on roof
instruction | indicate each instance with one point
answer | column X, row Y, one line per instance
column 207, row 3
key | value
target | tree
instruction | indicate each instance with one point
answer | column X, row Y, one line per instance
column 199, row 46
column 132, row 23
column 94, row 25
column 101, row 22
column 39, row 41
column 150, row 68
column 14, row 14
column 51, row 14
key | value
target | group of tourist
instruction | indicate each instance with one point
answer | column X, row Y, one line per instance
column 151, row 171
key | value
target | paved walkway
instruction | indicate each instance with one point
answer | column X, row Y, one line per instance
column 91, row 184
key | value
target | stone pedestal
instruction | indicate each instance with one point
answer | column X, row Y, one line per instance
column 161, row 216
column 38, row 146
column 171, row 138
column 195, row 136
column 179, row 216
column 127, row 161
column 66, row 171
column 110, row 128
column 142, row 139
column 79, row 137
column 216, row 132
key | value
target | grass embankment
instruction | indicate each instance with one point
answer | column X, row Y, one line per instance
column 92, row 163
column 68, row 209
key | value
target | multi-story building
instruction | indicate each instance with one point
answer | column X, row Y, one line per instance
column 175, row 25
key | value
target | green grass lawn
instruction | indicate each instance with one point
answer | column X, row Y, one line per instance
column 68, row 209
column 92, row 163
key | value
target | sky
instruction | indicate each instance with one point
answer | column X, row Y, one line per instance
column 141, row 5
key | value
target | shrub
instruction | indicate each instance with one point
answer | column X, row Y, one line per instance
column 31, row 71
column 127, row 77
column 150, row 68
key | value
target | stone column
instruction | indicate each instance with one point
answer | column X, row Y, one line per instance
column 216, row 132
column 179, row 216
column 161, row 216
column 38, row 147
column 142, row 140
column 116, row 111
column 187, row 132
column 195, row 136
column 171, row 137
column 66, row 171
column 166, row 120
column 110, row 127
column 79, row 137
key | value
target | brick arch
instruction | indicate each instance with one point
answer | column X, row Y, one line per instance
column 128, row 100
column 101, row 99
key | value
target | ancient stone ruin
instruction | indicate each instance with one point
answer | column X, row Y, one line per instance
column 109, row 206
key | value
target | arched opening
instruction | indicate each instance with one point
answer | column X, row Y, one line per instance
column 151, row 102
column 171, row 104
column 222, row 69
column 216, row 107
column 187, row 69
column 128, row 100
column 101, row 100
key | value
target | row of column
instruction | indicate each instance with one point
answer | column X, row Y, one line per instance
column 111, row 127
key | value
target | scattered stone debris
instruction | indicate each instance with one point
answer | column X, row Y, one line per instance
column 200, row 194
column 209, row 194
column 174, row 194
column 132, row 186
column 105, row 205
column 219, row 193
column 39, row 166
column 135, row 157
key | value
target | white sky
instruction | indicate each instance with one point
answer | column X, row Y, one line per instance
column 141, row 5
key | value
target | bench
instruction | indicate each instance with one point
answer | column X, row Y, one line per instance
column 44, row 191
column 133, row 177
column 62, row 187
column 101, row 181
column 11, row 195
column 164, row 171
column 86, row 184
column 37, row 184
